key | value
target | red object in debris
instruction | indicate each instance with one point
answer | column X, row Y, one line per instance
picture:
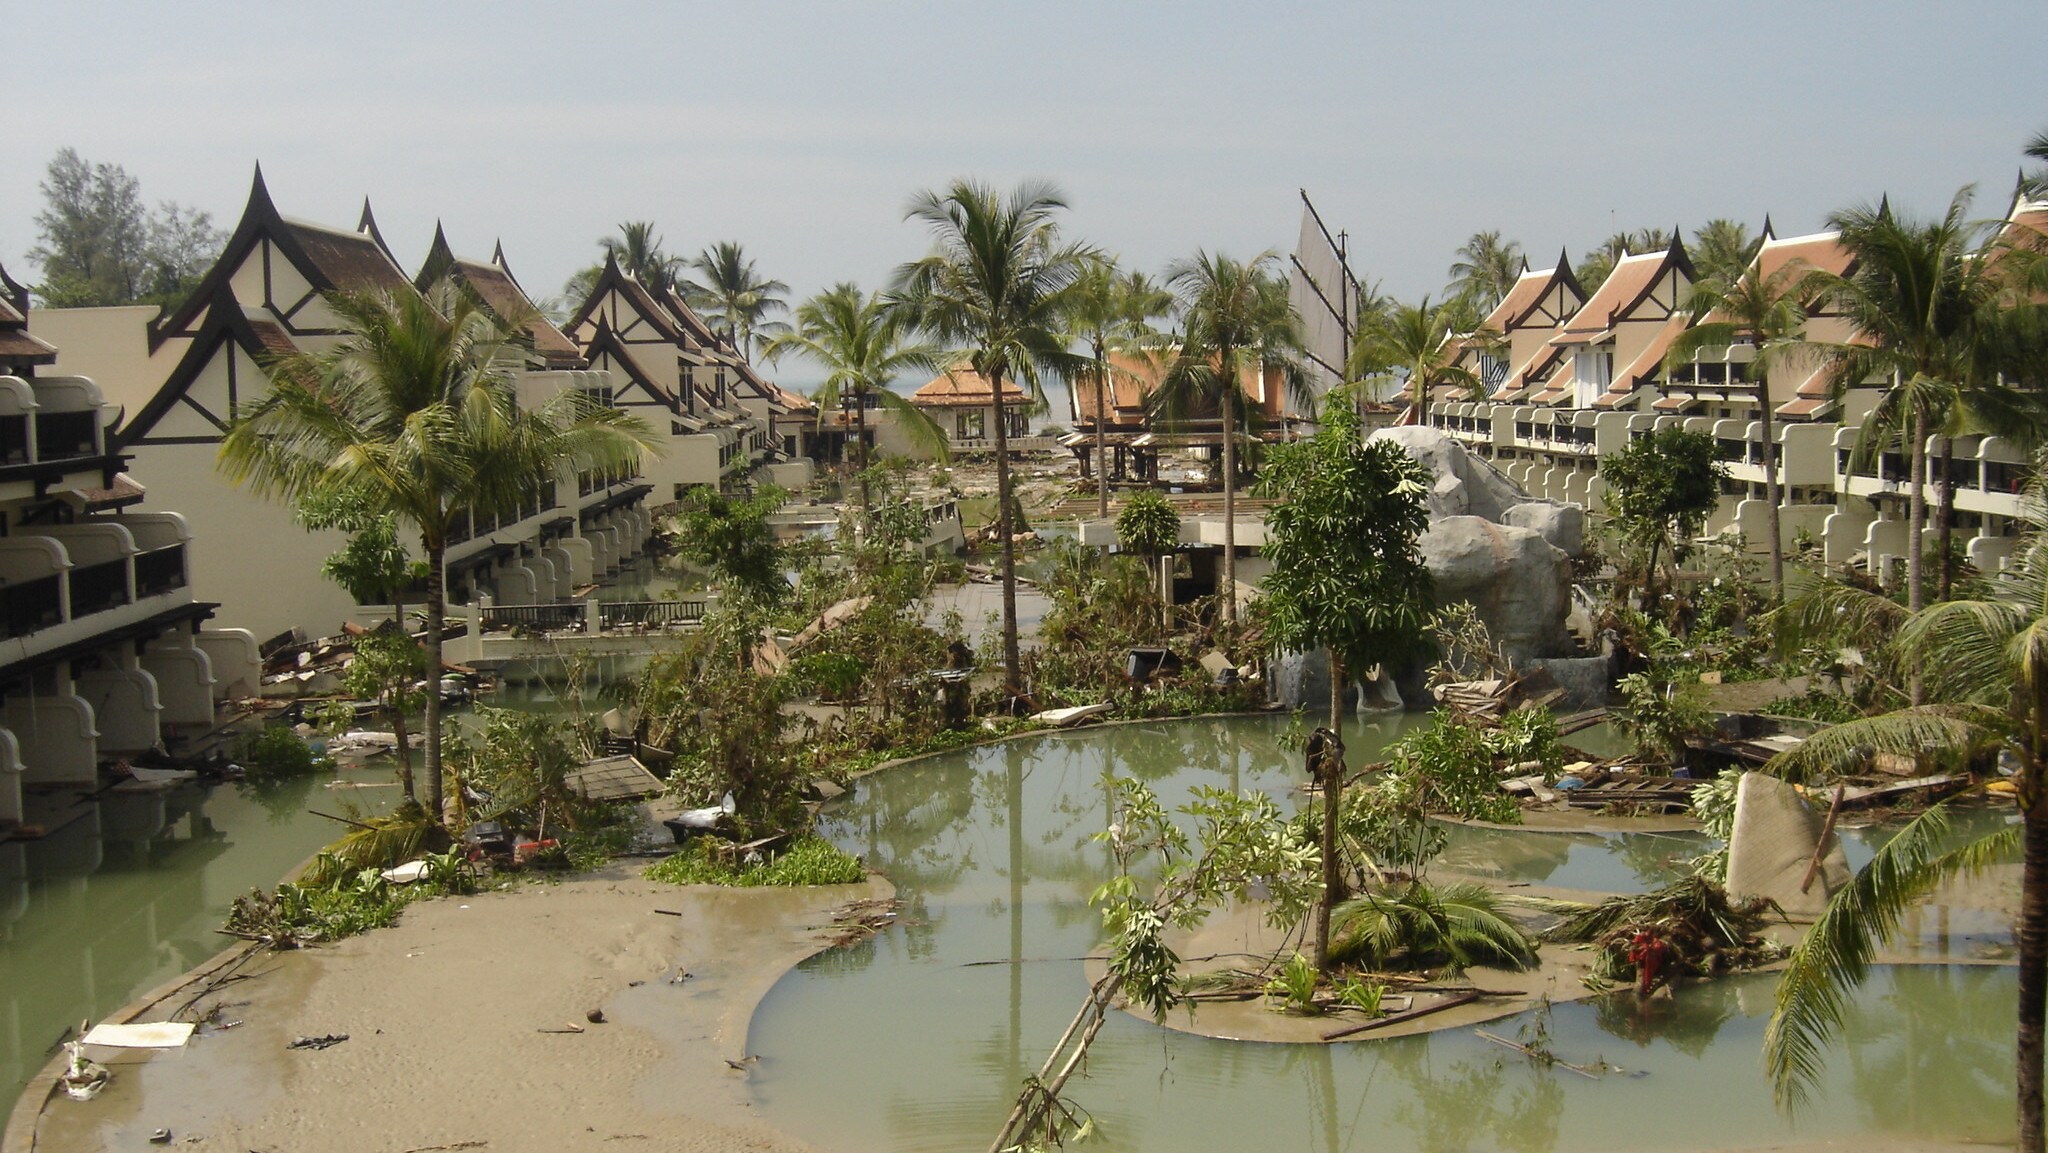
column 1646, row 952
column 526, row 851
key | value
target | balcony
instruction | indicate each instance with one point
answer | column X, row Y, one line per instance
column 49, row 426
column 66, row 574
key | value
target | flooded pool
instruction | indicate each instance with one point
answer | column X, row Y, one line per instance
column 128, row 896
column 918, row 1039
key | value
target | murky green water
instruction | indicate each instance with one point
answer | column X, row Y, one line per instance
column 915, row 1041
column 115, row 904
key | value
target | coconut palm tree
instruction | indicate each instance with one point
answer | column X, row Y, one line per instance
column 1486, row 268
column 2035, row 183
column 1722, row 250
column 1236, row 327
column 998, row 284
column 734, row 298
column 1113, row 312
column 1765, row 312
column 1986, row 663
column 638, row 250
column 412, row 411
column 1914, row 301
column 862, row 344
column 1414, row 342
column 1595, row 265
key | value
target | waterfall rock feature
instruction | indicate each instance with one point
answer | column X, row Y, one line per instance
column 1520, row 584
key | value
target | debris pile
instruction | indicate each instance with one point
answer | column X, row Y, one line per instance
column 1691, row 928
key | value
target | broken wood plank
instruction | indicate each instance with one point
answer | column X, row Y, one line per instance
column 1410, row 1015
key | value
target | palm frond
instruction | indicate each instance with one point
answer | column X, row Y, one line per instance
column 1835, row 955
column 1948, row 733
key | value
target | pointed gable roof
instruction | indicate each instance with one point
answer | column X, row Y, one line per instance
column 611, row 279
column 17, row 346
column 1633, row 280
column 1530, row 290
column 226, row 322
column 962, row 386
column 367, row 225
column 500, row 295
column 330, row 259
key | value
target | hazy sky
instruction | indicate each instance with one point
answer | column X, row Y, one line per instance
column 802, row 129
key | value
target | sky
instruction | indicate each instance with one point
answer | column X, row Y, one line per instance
column 802, row 129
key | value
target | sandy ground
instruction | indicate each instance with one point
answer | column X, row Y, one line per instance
column 444, row 1014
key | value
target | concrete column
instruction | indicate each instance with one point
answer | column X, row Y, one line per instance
column 184, row 679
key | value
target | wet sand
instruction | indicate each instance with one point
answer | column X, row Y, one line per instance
column 445, row 1015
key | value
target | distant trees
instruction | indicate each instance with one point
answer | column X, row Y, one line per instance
column 1486, row 268
column 99, row 245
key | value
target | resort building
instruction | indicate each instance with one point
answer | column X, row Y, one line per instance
column 1135, row 437
column 1573, row 379
column 182, row 377
column 103, row 650
column 964, row 407
column 717, row 422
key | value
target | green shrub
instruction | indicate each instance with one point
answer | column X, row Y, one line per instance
column 1814, row 705
column 274, row 752
column 1147, row 524
column 808, row 860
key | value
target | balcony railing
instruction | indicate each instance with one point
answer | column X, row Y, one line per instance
column 30, row 605
column 98, row 587
column 554, row 618
column 648, row 615
column 160, row 570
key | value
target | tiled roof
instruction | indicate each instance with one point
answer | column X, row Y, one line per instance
column 504, row 298
column 964, row 386
column 350, row 261
column 1132, row 381
column 1623, row 287
column 18, row 347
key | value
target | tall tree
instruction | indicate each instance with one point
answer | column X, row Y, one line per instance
column 638, row 249
column 1763, row 311
column 1237, row 330
column 735, row 298
column 1985, row 668
column 413, row 411
column 1347, row 575
column 998, row 282
column 2035, row 183
column 99, row 245
column 1722, row 250
column 1486, row 268
column 863, row 344
column 1914, row 301
column 1414, row 342
column 1112, row 312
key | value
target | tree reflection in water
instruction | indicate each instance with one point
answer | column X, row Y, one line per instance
column 1933, row 1054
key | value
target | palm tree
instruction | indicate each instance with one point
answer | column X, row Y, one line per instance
column 1914, row 301
column 1722, row 250
column 736, row 298
column 1986, row 662
column 1414, row 342
column 639, row 252
column 1764, row 311
column 1113, row 312
column 413, row 411
column 860, row 341
column 998, row 282
column 1236, row 326
column 1486, row 268
column 2035, row 183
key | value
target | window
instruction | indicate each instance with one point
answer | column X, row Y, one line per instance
column 970, row 425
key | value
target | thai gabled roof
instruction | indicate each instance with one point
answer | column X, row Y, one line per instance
column 1625, row 288
column 1133, row 378
column 613, row 279
column 605, row 342
column 331, row 260
column 494, row 288
column 226, row 322
column 17, row 345
column 1528, row 293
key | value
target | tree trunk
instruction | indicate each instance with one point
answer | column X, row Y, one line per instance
column 437, row 607
column 1101, row 432
column 1328, row 768
column 860, row 440
column 1945, row 520
column 2033, row 978
column 1336, row 693
column 1916, row 515
column 405, row 780
column 1228, row 402
column 1772, row 497
column 1005, row 532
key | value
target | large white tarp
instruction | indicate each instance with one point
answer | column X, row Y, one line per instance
column 1317, row 286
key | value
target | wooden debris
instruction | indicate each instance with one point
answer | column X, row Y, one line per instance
column 1410, row 1015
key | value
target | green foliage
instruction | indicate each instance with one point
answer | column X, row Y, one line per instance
column 275, row 752
column 1713, row 805
column 1815, row 704
column 1660, row 490
column 1449, row 767
column 1705, row 933
column 374, row 565
column 1147, row 524
column 1356, row 993
column 1347, row 569
column 1660, row 713
column 1240, row 841
column 98, row 245
column 731, row 537
column 521, row 762
column 809, row 860
column 1295, row 985
column 1102, row 605
column 335, row 900
column 1529, row 735
column 1421, row 926
column 831, row 675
